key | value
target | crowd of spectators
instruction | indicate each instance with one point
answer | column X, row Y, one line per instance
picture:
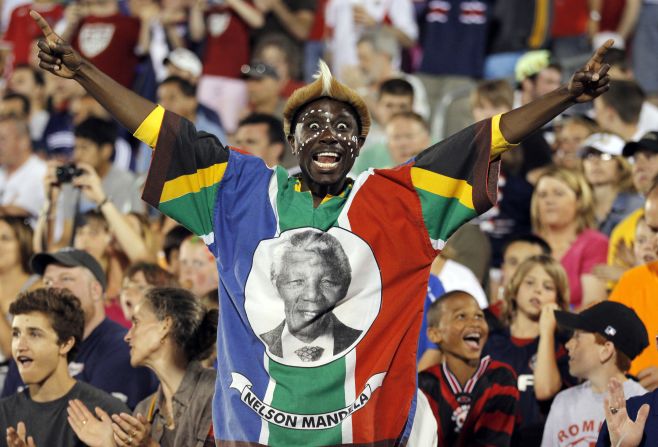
column 569, row 250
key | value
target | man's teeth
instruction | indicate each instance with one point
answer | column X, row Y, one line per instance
column 326, row 159
column 327, row 154
column 325, row 165
column 23, row 360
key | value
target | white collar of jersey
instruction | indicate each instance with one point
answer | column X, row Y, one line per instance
column 470, row 384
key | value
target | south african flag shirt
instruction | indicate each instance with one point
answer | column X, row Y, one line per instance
column 320, row 308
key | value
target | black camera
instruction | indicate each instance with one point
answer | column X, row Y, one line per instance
column 66, row 173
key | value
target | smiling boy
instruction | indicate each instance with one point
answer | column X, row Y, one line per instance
column 474, row 399
column 46, row 330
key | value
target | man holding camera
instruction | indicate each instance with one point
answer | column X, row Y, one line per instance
column 69, row 187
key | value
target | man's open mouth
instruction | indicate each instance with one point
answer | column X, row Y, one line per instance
column 472, row 340
column 327, row 159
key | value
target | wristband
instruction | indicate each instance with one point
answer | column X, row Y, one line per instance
column 103, row 202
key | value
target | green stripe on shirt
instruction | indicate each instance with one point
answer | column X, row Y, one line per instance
column 443, row 215
column 307, row 391
column 194, row 210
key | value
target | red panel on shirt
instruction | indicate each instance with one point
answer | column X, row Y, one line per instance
column 109, row 43
column 569, row 18
column 319, row 25
column 611, row 12
column 227, row 43
column 22, row 29
column 114, row 312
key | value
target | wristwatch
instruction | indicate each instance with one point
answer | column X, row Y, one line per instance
column 595, row 16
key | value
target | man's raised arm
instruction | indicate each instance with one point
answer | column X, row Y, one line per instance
column 586, row 84
column 59, row 58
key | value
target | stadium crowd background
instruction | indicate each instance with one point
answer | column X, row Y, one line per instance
column 580, row 192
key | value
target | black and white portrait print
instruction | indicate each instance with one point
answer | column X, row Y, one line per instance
column 312, row 295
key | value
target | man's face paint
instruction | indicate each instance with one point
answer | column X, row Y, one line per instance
column 326, row 142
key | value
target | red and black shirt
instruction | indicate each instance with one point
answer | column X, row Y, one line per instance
column 482, row 412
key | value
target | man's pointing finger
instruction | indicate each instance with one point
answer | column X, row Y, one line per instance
column 45, row 28
column 597, row 58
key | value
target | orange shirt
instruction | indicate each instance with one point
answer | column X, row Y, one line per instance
column 637, row 289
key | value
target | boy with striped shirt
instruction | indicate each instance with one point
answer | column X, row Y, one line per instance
column 474, row 399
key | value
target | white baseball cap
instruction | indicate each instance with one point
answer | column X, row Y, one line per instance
column 184, row 59
column 608, row 143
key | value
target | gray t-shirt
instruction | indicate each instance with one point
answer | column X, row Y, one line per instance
column 47, row 422
column 120, row 186
column 577, row 415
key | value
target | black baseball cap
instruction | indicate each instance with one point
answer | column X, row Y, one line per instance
column 258, row 70
column 616, row 322
column 649, row 142
column 69, row 257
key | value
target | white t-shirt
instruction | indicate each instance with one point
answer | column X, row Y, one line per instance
column 576, row 415
column 24, row 188
column 456, row 276
column 345, row 35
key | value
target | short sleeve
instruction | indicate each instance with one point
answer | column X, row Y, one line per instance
column 456, row 179
column 185, row 172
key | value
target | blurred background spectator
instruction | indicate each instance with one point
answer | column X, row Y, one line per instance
column 562, row 211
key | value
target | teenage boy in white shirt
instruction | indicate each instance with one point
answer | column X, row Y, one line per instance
column 607, row 337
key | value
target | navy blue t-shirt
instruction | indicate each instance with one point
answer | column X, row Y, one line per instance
column 454, row 37
column 103, row 361
column 522, row 356
column 633, row 405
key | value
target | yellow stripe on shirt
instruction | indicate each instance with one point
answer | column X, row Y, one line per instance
column 192, row 183
column 443, row 186
column 149, row 130
column 498, row 142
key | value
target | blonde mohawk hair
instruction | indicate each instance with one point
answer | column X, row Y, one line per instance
column 325, row 86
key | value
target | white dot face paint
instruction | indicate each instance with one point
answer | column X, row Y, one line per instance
column 329, row 122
